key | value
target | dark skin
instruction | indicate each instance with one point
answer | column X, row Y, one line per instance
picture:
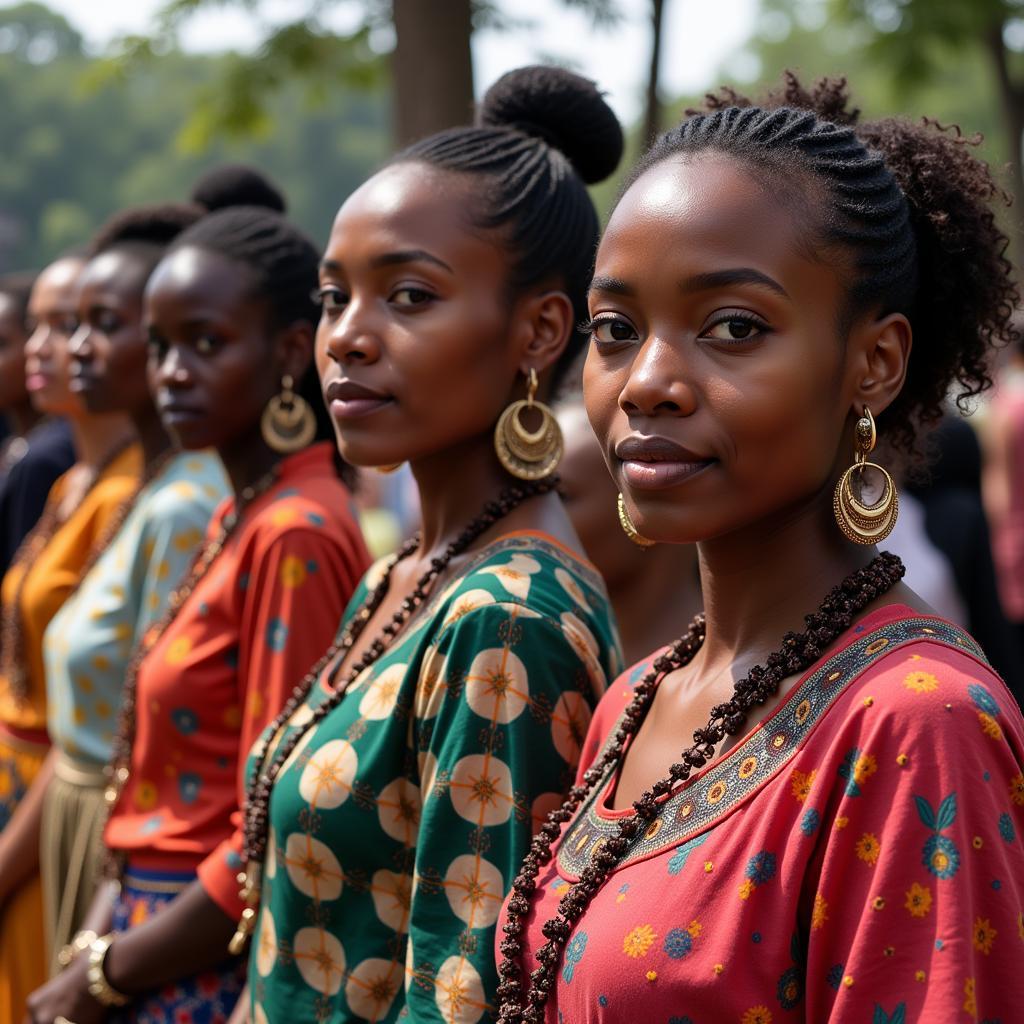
column 215, row 360
column 14, row 401
column 637, row 578
column 417, row 311
column 722, row 339
column 108, row 348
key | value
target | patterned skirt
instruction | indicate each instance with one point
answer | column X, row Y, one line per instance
column 206, row 998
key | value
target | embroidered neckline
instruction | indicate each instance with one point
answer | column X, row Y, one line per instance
column 760, row 756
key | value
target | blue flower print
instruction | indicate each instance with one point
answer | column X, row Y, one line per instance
column 678, row 943
column 277, row 635
column 151, row 824
column 835, row 976
column 941, row 857
column 315, row 518
column 983, row 700
column 573, row 955
column 189, row 785
column 678, row 859
column 185, row 720
column 898, row 1016
column 1006, row 829
column 810, row 821
column 790, row 989
column 680, row 1020
column 761, row 867
column 243, row 581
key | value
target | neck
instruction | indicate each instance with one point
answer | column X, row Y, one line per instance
column 21, row 418
column 446, row 509
column 760, row 582
column 246, row 459
column 95, row 436
column 151, row 433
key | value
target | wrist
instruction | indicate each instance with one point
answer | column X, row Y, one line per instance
column 78, row 945
column 100, row 986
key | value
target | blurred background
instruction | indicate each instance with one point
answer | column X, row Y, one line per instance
column 125, row 101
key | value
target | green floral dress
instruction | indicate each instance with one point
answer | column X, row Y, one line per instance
column 398, row 823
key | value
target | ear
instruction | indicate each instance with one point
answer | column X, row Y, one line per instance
column 881, row 355
column 544, row 323
column 293, row 350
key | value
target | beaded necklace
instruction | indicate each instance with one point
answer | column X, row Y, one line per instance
column 12, row 633
column 119, row 770
column 798, row 652
column 261, row 783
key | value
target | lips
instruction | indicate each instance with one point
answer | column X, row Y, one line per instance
column 348, row 400
column 654, row 463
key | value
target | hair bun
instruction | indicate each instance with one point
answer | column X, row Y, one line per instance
column 237, row 185
column 564, row 109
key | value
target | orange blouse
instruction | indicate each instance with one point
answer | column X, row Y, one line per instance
column 55, row 574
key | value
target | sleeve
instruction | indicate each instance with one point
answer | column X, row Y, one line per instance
column 298, row 587
column 916, row 913
column 502, row 707
column 170, row 539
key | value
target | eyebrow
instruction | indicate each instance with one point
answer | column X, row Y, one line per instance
column 734, row 275
column 389, row 259
column 614, row 285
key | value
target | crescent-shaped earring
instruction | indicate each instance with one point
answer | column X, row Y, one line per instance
column 862, row 523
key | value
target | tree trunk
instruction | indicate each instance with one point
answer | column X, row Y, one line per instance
column 432, row 68
column 652, row 107
column 1011, row 95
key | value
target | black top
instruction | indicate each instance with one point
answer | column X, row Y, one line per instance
column 23, row 489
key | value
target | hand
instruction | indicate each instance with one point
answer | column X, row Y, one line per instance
column 67, row 996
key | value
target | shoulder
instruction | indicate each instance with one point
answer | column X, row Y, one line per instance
column 49, row 450
column 191, row 487
column 118, row 480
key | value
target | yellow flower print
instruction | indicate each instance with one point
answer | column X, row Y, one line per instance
column 868, row 848
column 919, row 900
column 984, row 935
column 800, row 784
column 746, row 888
column 1020, row 926
column 695, row 929
column 989, row 726
column 6, row 782
column 1017, row 789
column 921, row 682
column 819, row 914
column 841, row 823
column 178, row 650
column 293, row 572
column 145, row 796
column 970, row 1003
column 757, row 1015
column 638, row 941
column 864, row 767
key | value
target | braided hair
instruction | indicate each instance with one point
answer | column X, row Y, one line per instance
column 542, row 135
column 281, row 263
column 907, row 209
column 236, row 185
column 147, row 229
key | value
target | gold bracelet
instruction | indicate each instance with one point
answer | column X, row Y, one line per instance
column 99, row 988
column 79, row 944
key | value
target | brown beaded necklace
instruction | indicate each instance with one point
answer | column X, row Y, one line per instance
column 261, row 783
column 119, row 770
column 798, row 652
column 12, row 634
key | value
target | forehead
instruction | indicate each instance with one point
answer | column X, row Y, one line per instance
column 59, row 281
column 195, row 275
column 118, row 271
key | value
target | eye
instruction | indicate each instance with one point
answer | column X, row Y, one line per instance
column 108, row 323
column 206, row 344
column 156, row 345
column 68, row 324
column 411, row 296
column 735, row 327
column 611, row 330
column 330, row 299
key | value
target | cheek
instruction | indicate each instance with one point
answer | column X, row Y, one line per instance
column 602, row 386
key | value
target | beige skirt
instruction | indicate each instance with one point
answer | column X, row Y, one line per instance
column 71, row 849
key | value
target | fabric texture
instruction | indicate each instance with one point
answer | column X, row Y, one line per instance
column 262, row 615
column 397, row 822
column 857, row 857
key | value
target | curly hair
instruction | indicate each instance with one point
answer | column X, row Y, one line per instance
column 910, row 207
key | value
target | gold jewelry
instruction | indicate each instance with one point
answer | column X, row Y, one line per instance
column 528, row 455
column 288, row 423
column 79, row 944
column 865, row 524
column 629, row 529
column 393, row 468
column 61, row 1020
column 99, row 988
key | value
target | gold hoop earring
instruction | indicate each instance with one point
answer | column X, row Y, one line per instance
column 629, row 529
column 526, row 454
column 861, row 523
column 288, row 423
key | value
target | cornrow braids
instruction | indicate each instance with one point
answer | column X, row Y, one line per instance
column 907, row 207
column 148, row 228
column 542, row 135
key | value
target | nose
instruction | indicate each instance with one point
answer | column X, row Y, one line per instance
column 350, row 337
column 37, row 345
column 80, row 343
column 170, row 370
column 658, row 383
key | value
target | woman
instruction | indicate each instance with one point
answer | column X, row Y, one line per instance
column 39, row 448
column 230, row 322
column 842, row 840
column 391, row 798
column 82, row 505
column 89, row 642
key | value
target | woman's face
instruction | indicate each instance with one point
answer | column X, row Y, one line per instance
column 413, row 347
column 12, row 353
column 212, row 366
column 108, row 348
column 52, row 317
column 715, row 374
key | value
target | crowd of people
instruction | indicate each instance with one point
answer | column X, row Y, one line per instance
column 627, row 716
